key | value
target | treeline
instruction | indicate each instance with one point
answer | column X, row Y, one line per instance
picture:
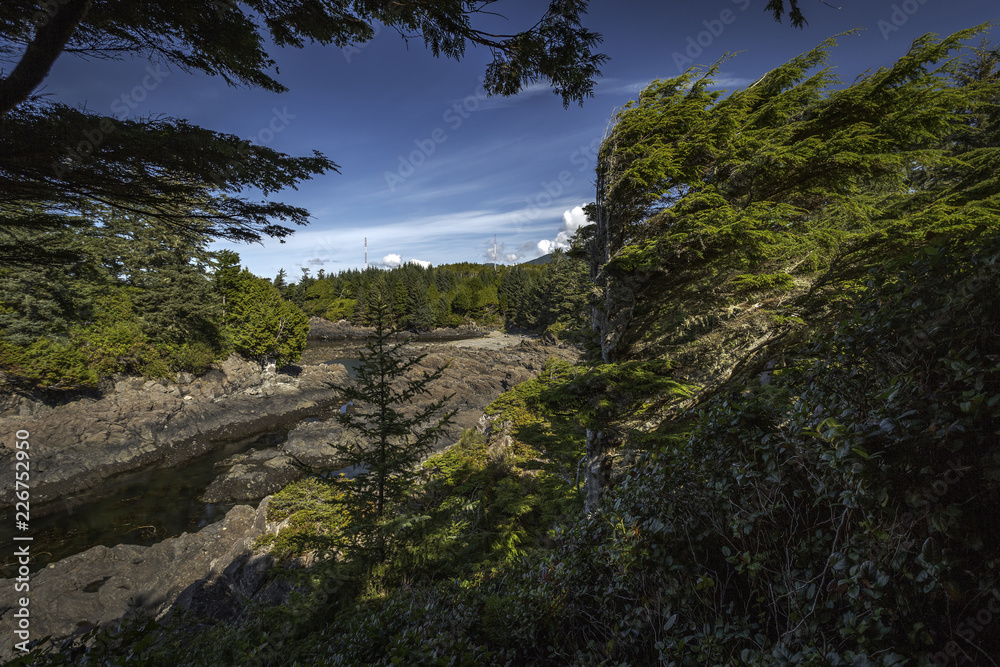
column 131, row 303
column 125, row 301
column 545, row 297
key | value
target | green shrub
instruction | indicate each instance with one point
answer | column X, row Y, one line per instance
column 341, row 309
column 194, row 358
column 263, row 326
column 122, row 347
column 46, row 364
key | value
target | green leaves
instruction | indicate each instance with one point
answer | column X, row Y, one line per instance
column 389, row 435
column 261, row 325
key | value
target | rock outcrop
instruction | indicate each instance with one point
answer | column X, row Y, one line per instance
column 75, row 447
column 212, row 571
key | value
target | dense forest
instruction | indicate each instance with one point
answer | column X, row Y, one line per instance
column 533, row 297
column 782, row 448
column 132, row 304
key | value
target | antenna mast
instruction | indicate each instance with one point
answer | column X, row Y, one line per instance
column 366, row 253
column 495, row 252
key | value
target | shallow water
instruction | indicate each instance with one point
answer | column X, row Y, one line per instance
column 150, row 505
column 142, row 507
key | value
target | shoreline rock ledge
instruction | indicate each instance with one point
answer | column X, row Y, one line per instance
column 214, row 571
column 76, row 446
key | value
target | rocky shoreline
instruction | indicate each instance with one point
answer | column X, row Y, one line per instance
column 214, row 571
column 76, row 446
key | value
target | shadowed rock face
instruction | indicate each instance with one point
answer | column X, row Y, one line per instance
column 76, row 446
column 213, row 571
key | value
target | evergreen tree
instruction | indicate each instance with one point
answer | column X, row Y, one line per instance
column 390, row 436
column 563, row 296
column 421, row 312
column 225, row 279
column 280, row 281
column 706, row 199
column 400, row 299
column 38, row 301
column 262, row 325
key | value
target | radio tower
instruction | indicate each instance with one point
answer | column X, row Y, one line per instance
column 366, row 253
column 495, row 253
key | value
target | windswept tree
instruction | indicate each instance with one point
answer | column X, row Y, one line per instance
column 707, row 200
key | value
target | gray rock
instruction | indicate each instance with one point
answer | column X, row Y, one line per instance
column 253, row 476
column 80, row 444
column 311, row 444
column 102, row 584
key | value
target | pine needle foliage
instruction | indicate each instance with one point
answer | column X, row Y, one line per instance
column 390, row 437
column 699, row 190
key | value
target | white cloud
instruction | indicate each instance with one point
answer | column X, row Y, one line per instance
column 545, row 247
column 419, row 262
column 616, row 87
column 573, row 219
column 391, row 261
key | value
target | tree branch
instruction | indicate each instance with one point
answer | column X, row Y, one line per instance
column 49, row 41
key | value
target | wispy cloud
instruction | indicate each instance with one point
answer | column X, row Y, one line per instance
column 618, row 88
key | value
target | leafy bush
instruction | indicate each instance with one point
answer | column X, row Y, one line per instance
column 122, row 347
column 263, row 326
column 194, row 358
column 47, row 364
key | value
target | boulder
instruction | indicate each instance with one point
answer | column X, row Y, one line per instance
column 252, row 476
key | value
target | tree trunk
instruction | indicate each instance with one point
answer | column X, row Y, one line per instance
column 597, row 463
column 611, row 316
column 56, row 25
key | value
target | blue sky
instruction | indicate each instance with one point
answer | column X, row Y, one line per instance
column 431, row 169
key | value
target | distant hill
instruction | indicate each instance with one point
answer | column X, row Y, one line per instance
column 544, row 259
